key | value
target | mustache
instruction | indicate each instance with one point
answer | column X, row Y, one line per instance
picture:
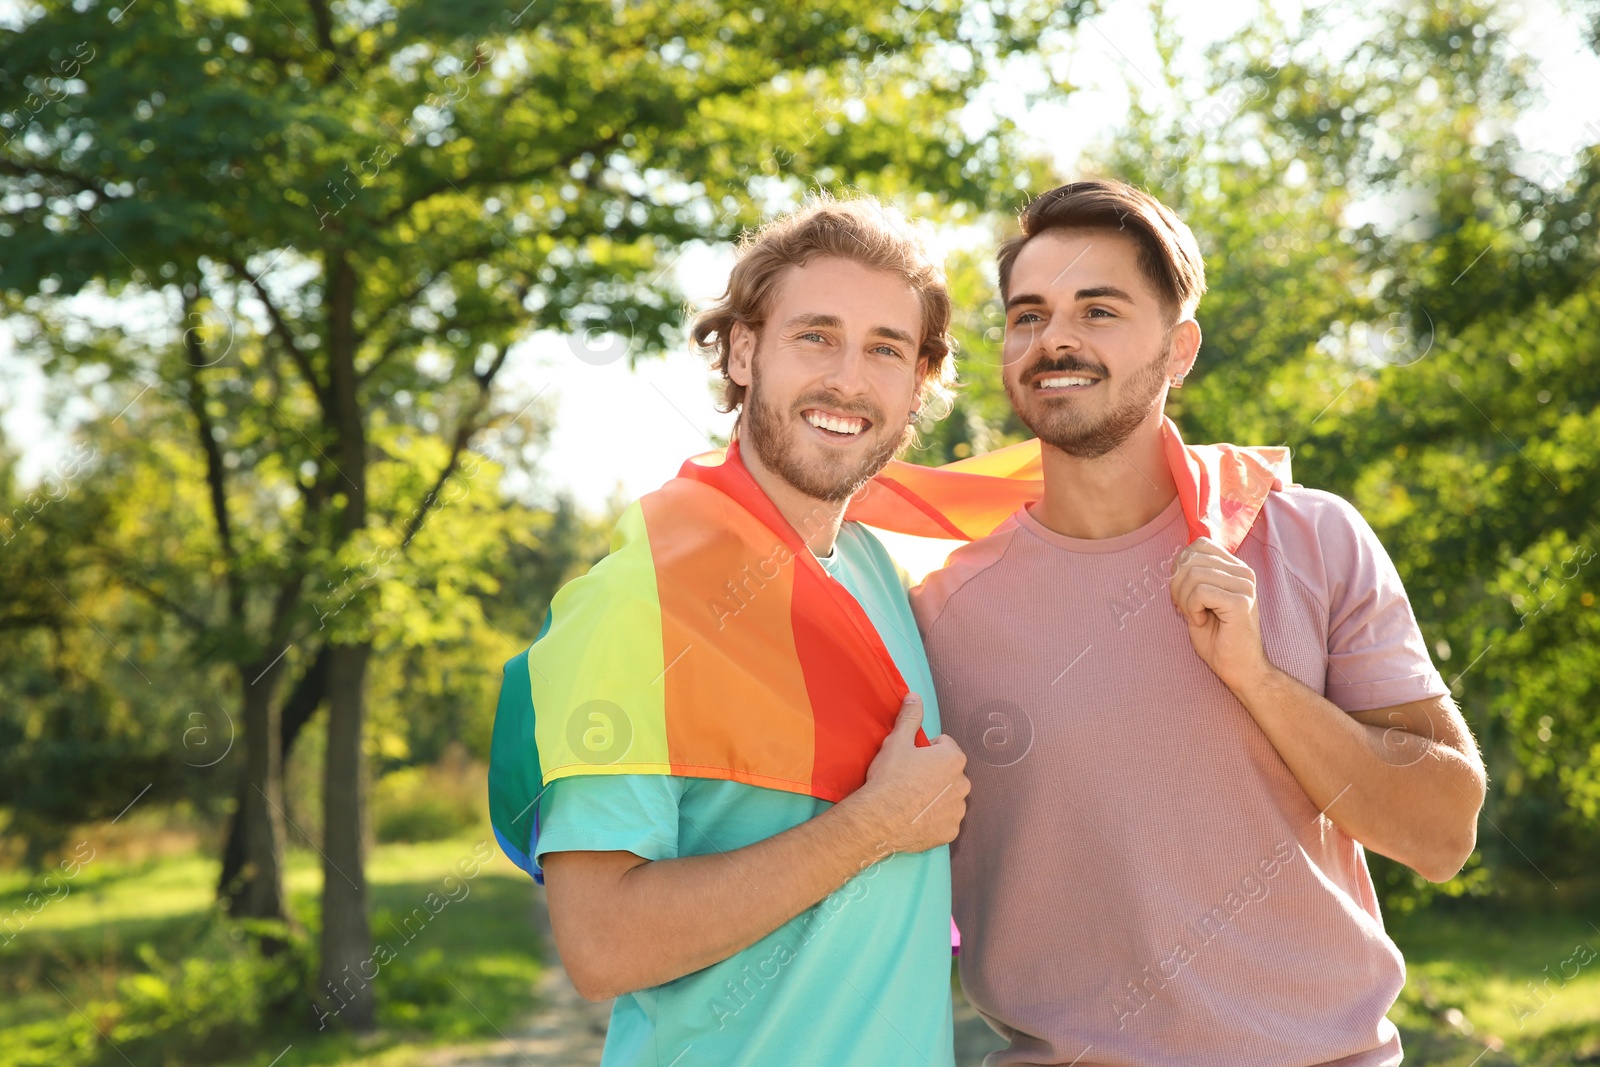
column 861, row 409
column 1064, row 365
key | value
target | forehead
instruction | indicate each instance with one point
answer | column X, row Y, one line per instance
column 827, row 285
column 1060, row 262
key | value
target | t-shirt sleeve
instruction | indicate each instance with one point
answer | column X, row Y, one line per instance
column 635, row 813
column 1376, row 654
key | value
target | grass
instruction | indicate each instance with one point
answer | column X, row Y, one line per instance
column 464, row 960
column 1486, row 986
column 1508, row 985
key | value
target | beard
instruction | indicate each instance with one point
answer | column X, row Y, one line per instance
column 1076, row 432
column 771, row 433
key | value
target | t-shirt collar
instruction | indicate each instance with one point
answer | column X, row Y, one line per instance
column 1172, row 513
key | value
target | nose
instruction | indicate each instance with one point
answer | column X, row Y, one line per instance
column 846, row 374
column 1058, row 335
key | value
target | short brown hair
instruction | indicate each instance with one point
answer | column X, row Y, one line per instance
column 1169, row 257
column 860, row 229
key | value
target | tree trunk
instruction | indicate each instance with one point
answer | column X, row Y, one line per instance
column 308, row 695
column 347, row 963
column 348, row 968
column 257, row 892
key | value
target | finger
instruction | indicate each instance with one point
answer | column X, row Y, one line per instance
column 1193, row 613
column 1199, row 548
column 1205, row 552
column 1226, row 604
column 946, row 743
column 1218, row 559
column 910, row 717
column 1206, row 546
column 1222, row 579
column 1184, row 581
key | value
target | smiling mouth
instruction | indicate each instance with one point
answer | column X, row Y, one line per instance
column 1063, row 383
column 840, row 427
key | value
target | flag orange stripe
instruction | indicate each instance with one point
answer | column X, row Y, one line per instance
column 735, row 691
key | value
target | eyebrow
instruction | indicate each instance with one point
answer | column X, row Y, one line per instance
column 835, row 323
column 1100, row 291
column 1095, row 293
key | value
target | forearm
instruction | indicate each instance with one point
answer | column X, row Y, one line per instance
column 1404, row 793
column 665, row 919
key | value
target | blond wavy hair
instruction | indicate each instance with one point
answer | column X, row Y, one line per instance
column 859, row 229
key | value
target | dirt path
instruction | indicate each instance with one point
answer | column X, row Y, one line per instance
column 568, row 1031
column 564, row 1030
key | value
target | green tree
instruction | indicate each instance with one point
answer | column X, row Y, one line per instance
column 1397, row 291
column 1428, row 364
column 1468, row 423
column 377, row 203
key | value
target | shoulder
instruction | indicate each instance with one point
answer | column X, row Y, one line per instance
column 1314, row 522
column 625, row 574
column 1323, row 541
column 930, row 599
column 1300, row 504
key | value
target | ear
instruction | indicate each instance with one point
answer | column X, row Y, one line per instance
column 741, row 351
column 1185, row 347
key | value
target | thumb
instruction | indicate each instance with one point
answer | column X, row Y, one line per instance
column 909, row 720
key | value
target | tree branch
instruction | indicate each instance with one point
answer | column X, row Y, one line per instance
column 396, row 343
column 324, row 24
column 308, row 695
column 476, row 252
column 216, row 471
column 468, row 428
column 486, row 379
column 446, row 185
column 155, row 596
column 283, row 607
column 280, row 329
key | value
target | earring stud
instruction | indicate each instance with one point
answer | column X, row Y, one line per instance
column 1177, row 381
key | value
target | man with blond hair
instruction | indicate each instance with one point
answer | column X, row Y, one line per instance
column 728, row 784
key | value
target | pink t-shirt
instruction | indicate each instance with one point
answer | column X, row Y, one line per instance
column 1140, row 879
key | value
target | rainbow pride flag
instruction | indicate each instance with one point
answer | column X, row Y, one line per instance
column 1222, row 489
column 710, row 643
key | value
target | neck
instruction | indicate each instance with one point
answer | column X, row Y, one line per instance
column 1109, row 495
column 816, row 521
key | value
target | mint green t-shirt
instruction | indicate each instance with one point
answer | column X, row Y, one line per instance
column 862, row 978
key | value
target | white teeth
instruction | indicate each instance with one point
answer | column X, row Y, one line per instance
column 1063, row 382
column 837, row 425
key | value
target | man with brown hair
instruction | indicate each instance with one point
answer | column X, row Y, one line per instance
column 742, row 826
column 1180, row 739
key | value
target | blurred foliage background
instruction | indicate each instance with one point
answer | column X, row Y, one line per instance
column 255, row 608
